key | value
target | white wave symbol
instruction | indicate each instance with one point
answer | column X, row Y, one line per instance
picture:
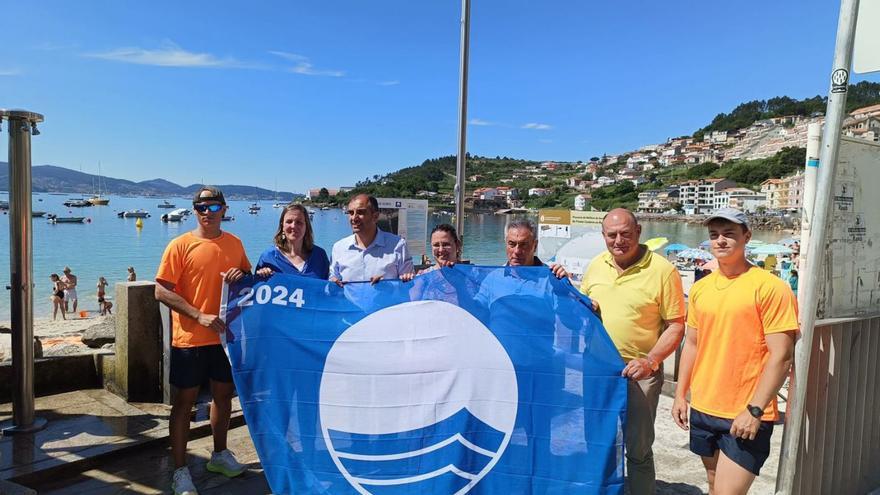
column 449, row 468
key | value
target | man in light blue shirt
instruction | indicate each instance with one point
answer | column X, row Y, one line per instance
column 369, row 253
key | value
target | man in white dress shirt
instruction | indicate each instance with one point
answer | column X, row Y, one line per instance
column 369, row 253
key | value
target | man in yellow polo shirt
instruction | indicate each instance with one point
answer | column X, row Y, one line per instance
column 741, row 329
column 642, row 305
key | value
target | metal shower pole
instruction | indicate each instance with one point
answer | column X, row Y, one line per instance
column 22, row 124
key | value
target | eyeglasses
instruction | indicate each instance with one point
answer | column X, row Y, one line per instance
column 213, row 208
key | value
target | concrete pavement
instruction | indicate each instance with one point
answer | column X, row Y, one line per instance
column 148, row 470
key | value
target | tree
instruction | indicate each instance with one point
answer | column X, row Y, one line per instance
column 701, row 170
column 323, row 194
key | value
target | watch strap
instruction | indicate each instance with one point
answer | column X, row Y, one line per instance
column 755, row 411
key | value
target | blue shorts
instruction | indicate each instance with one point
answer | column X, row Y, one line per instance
column 710, row 433
column 193, row 366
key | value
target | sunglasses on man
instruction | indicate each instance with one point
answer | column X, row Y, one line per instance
column 213, row 208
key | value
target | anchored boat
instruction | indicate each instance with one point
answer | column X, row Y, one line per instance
column 133, row 214
column 176, row 215
column 77, row 203
column 56, row 219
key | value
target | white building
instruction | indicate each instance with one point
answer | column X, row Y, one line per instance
column 486, row 193
column 698, row 196
column 739, row 198
column 581, row 202
column 507, row 192
column 539, row 191
column 604, row 181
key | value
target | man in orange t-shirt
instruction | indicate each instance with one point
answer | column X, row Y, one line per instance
column 741, row 327
column 190, row 281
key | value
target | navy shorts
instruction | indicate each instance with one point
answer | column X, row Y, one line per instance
column 193, row 366
column 710, row 433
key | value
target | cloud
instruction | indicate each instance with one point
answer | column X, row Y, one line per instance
column 305, row 67
column 480, row 122
column 536, row 126
column 388, row 83
column 10, row 72
column 169, row 55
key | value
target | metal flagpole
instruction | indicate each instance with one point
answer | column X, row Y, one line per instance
column 21, row 125
column 460, row 162
column 834, row 115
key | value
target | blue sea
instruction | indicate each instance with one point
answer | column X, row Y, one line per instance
column 106, row 245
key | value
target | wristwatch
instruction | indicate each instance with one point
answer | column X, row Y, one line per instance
column 755, row 411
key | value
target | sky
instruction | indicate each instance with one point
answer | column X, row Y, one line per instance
column 292, row 95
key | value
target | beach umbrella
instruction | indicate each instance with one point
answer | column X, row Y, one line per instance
column 768, row 249
column 674, row 248
column 754, row 243
column 704, row 244
column 656, row 243
column 695, row 254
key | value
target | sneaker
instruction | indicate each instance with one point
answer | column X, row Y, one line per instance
column 182, row 483
column 225, row 464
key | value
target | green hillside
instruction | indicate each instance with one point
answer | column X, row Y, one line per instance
column 862, row 94
column 434, row 179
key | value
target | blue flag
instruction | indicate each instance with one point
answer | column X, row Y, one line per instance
column 465, row 380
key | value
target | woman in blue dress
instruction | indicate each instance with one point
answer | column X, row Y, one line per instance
column 294, row 252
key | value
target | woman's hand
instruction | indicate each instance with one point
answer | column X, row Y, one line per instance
column 265, row 272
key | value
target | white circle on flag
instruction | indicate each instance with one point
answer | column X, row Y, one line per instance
column 410, row 367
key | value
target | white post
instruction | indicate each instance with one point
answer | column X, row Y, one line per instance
column 811, row 174
column 834, row 115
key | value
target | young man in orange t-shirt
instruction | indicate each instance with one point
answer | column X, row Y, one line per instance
column 190, row 281
column 741, row 327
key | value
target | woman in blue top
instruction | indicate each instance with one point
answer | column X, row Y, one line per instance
column 294, row 252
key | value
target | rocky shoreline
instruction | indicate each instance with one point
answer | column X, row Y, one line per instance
column 756, row 222
column 64, row 337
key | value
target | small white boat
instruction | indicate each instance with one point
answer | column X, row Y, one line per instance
column 77, row 203
column 165, row 204
column 176, row 215
column 133, row 214
column 279, row 205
